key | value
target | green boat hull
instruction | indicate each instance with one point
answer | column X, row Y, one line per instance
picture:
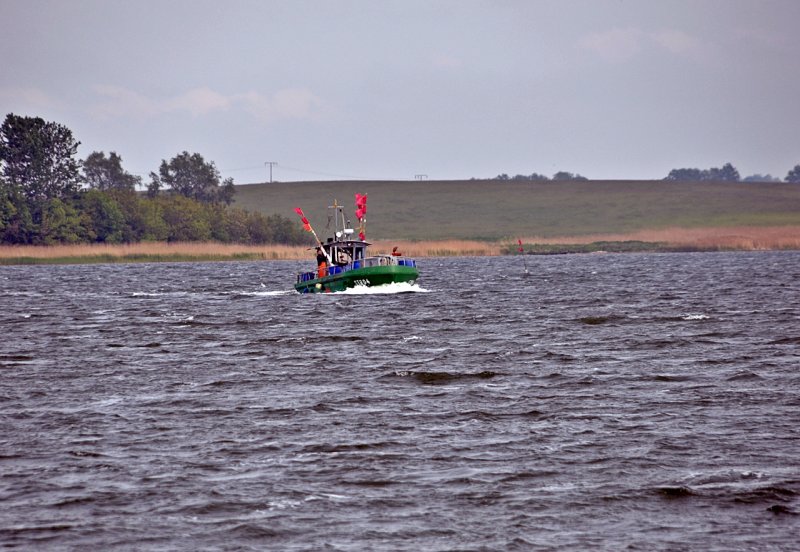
column 368, row 276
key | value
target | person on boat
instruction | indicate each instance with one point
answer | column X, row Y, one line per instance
column 343, row 257
column 322, row 263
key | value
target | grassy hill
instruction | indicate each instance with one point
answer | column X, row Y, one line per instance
column 492, row 210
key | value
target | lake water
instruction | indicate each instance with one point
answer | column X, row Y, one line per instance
column 604, row 402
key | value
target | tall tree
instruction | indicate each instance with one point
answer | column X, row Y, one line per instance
column 7, row 208
column 794, row 174
column 106, row 173
column 685, row 174
column 38, row 157
column 191, row 176
column 727, row 173
column 564, row 175
column 103, row 217
column 761, row 178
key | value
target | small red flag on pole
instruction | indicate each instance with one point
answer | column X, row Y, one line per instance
column 522, row 250
column 361, row 214
column 306, row 225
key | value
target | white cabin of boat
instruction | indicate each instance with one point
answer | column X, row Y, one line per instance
column 344, row 252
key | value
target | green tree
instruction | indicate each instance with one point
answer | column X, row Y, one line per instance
column 685, row 175
column 186, row 219
column 564, row 175
column 8, row 210
column 285, row 230
column 153, row 226
column 217, row 216
column 761, row 178
column 106, row 173
column 727, row 173
column 16, row 222
column 38, row 157
column 191, row 176
column 237, row 227
column 794, row 174
column 61, row 223
column 259, row 229
column 104, row 217
column 154, row 186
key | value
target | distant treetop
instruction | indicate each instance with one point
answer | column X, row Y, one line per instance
column 536, row 177
column 727, row 173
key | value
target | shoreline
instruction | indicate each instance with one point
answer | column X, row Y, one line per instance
column 668, row 240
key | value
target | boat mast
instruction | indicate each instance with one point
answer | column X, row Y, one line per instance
column 340, row 230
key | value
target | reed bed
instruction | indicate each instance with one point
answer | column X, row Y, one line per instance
column 439, row 248
column 744, row 238
column 151, row 252
column 747, row 238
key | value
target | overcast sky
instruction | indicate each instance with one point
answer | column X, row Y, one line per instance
column 391, row 89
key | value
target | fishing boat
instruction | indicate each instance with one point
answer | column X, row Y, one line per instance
column 344, row 261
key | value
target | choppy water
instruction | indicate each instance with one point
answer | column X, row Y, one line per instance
column 606, row 402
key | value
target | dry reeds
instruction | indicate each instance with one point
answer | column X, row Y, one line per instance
column 439, row 248
column 745, row 238
column 156, row 250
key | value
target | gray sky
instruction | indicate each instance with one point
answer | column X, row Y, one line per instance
column 390, row 89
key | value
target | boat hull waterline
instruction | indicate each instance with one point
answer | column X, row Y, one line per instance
column 368, row 276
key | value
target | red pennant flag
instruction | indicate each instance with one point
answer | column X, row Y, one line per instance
column 361, row 212
column 361, row 205
column 303, row 219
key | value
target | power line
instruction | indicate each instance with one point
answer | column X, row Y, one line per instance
column 334, row 175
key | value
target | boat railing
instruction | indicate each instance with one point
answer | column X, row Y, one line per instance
column 380, row 260
column 377, row 260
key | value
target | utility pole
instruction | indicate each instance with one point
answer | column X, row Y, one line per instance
column 270, row 163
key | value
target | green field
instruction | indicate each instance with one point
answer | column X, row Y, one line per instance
column 492, row 210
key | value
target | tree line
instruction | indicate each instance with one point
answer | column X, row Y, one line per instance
column 49, row 196
column 536, row 177
column 726, row 173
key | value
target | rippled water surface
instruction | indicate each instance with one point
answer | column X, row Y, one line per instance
column 605, row 402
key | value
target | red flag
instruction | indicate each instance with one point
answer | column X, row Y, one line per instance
column 361, row 211
column 361, row 205
column 303, row 219
column 521, row 250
